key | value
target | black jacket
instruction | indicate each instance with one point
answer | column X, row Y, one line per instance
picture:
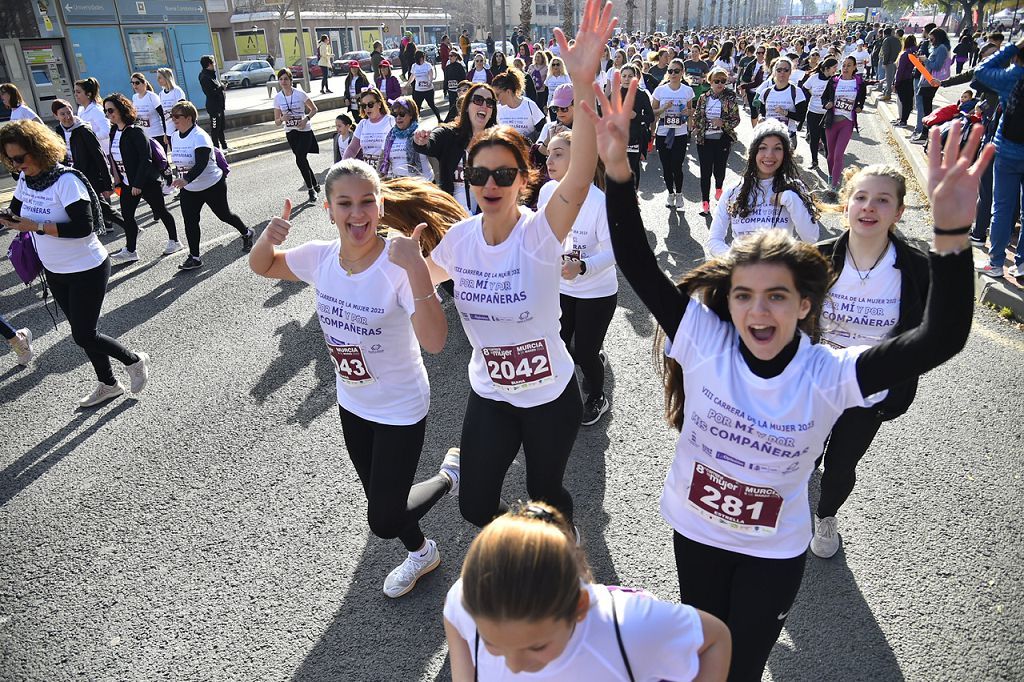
column 455, row 71
column 214, row 91
column 448, row 146
column 136, row 156
column 87, row 157
column 914, row 283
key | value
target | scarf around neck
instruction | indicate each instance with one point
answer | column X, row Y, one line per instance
column 395, row 135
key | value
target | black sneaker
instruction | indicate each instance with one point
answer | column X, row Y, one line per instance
column 595, row 406
column 191, row 263
column 312, row 196
column 247, row 240
column 977, row 242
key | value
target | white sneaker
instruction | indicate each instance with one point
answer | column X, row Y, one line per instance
column 401, row 580
column 450, row 467
column 173, row 246
column 101, row 394
column 168, row 190
column 124, row 256
column 670, row 202
column 22, row 345
column 1017, row 271
column 825, row 542
column 138, row 372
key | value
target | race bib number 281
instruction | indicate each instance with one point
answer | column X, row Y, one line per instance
column 741, row 507
column 520, row 367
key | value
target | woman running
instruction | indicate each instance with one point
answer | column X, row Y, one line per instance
column 845, row 94
column 448, row 143
column 356, row 81
column 421, row 79
column 760, row 399
column 149, row 110
column 377, row 308
column 294, row 109
column 515, row 110
column 589, row 286
column 538, row 72
column 90, row 110
column 715, row 117
column 137, row 176
column 373, row 129
column 12, row 99
column 506, row 265
column 770, row 195
column 399, row 158
column 640, row 124
column 781, row 100
column 58, row 206
column 170, row 94
column 454, row 74
column 673, row 104
column 815, row 82
column 526, row 608
column 201, row 181
column 388, row 84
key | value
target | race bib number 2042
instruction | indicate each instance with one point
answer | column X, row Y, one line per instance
column 739, row 506
column 520, row 367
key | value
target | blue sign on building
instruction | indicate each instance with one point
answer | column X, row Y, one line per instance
column 89, row 11
column 161, row 11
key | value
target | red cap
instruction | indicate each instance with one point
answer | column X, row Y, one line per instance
column 385, row 62
column 354, row 64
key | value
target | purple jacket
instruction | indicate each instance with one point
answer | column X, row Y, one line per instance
column 904, row 69
column 391, row 88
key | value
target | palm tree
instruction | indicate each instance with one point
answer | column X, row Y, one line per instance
column 567, row 17
column 630, row 15
column 526, row 15
column 654, row 16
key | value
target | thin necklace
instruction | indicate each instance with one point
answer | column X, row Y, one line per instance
column 349, row 268
column 856, row 268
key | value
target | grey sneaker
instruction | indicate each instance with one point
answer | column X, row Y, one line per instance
column 825, row 542
column 124, row 256
column 101, row 394
column 401, row 580
column 138, row 372
column 1017, row 271
column 173, row 246
column 450, row 468
column 22, row 345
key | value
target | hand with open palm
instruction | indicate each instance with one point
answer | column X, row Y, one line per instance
column 612, row 126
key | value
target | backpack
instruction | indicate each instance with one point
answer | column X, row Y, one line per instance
column 159, row 158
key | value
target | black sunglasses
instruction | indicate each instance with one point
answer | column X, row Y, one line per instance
column 561, row 109
column 367, row 105
column 675, row 70
column 503, row 177
column 482, row 101
column 136, row 82
column 718, row 81
column 109, row 111
column 20, row 159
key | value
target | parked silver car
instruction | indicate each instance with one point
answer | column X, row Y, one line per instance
column 251, row 72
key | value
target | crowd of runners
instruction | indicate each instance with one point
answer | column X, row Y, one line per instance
column 522, row 209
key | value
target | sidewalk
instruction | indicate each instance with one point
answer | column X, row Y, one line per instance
column 1002, row 293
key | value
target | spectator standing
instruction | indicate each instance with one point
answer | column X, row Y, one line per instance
column 215, row 101
column 464, row 42
column 324, row 59
column 444, row 50
column 376, row 57
column 889, row 53
column 490, row 46
column 407, row 54
column 937, row 64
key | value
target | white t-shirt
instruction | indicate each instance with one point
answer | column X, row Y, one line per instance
column 371, row 137
column 674, row 116
column 662, row 641
column 343, row 143
column 423, row 74
column 846, row 97
column 366, row 320
column 590, row 241
column 293, row 110
column 789, row 214
column 93, row 115
column 748, row 444
column 400, row 167
column 863, row 58
column 862, row 308
column 183, row 153
column 507, row 296
column 59, row 254
column 553, row 82
column 524, row 118
column 779, row 103
column 115, row 155
column 478, row 76
column 145, row 107
column 22, row 113
column 712, row 110
column 168, row 100
column 816, row 86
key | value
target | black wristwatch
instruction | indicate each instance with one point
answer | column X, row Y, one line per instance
column 583, row 267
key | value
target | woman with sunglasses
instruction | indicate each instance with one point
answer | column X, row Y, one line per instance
column 137, row 176
column 515, row 110
column 294, row 109
column 815, row 82
column 421, row 80
column 781, row 100
column 149, row 110
column 479, row 73
column 388, row 83
column 399, row 158
column 57, row 205
column 715, row 117
column 12, row 99
column 556, row 76
column 506, row 264
column 447, row 143
column 673, row 104
column 372, row 130
column 562, row 108
column 356, row 81
column 170, row 94
column 201, row 182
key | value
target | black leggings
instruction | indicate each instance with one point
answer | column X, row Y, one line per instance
column 428, row 97
column 850, row 439
column 492, row 432
column 301, row 143
column 216, row 198
column 672, row 161
column 713, row 156
column 453, row 107
column 110, row 216
column 905, row 93
column 927, row 97
column 153, row 193
column 6, row 329
column 217, row 129
column 385, row 458
column 325, row 74
column 752, row 595
column 587, row 320
column 80, row 295
column 816, row 134
column 634, row 164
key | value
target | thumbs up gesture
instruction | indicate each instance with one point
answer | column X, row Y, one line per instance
column 406, row 252
column 277, row 230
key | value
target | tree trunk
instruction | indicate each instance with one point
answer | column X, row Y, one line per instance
column 711, row 13
column 700, row 14
column 630, row 15
column 654, row 16
column 568, row 18
column 671, row 15
column 526, row 15
column 686, row 14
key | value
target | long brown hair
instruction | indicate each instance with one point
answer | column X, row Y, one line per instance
column 711, row 283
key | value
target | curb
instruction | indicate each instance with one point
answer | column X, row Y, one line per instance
column 997, row 292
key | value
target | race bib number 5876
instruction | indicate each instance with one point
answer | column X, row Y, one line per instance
column 741, row 507
column 520, row 367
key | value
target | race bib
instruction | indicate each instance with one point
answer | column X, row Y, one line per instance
column 453, row 85
column 844, row 104
column 633, row 149
column 780, row 114
column 741, row 507
column 144, row 122
column 520, row 367
column 423, row 84
column 292, row 121
column 673, row 120
column 575, row 254
column 350, row 365
column 371, row 159
column 460, row 174
column 120, row 170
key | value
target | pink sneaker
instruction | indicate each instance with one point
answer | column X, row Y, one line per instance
column 705, row 207
column 718, row 194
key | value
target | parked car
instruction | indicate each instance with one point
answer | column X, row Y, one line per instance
column 430, row 50
column 478, row 47
column 506, row 45
column 250, row 72
column 392, row 56
column 315, row 71
column 340, row 65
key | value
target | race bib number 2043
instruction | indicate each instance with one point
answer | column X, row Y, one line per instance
column 520, row 367
column 350, row 365
column 739, row 506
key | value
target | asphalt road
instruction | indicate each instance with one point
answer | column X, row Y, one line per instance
column 214, row 529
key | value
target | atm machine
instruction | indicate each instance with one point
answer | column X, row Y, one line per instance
column 40, row 70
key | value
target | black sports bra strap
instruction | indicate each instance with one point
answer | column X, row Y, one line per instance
column 476, row 657
column 618, row 638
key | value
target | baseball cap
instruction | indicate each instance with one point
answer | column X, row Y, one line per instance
column 563, row 95
column 354, row 64
column 383, row 63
